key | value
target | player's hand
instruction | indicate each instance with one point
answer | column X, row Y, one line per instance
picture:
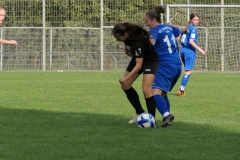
column 203, row 52
column 13, row 42
column 123, row 48
column 122, row 80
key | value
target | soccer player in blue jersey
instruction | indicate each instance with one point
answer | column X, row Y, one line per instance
column 2, row 18
column 163, row 37
column 144, row 60
column 189, row 42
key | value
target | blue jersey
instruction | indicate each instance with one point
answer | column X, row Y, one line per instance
column 192, row 34
column 166, row 44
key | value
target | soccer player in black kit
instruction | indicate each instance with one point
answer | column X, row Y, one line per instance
column 144, row 60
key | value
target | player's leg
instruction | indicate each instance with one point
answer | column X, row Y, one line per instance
column 167, row 102
column 160, row 88
column 160, row 102
column 189, row 59
column 176, row 71
column 168, row 107
column 132, row 96
column 184, row 82
column 149, row 71
column 147, row 91
column 162, row 106
column 131, row 93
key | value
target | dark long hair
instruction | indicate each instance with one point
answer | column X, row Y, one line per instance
column 136, row 34
column 156, row 13
column 189, row 22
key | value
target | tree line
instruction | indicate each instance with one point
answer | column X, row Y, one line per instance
column 84, row 13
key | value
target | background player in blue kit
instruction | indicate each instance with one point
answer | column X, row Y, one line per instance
column 144, row 60
column 163, row 37
column 189, row 42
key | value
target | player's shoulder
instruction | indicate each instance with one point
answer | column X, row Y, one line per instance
column 192, row 27
column 161, row 26
column 167, row 26
column 155, row 29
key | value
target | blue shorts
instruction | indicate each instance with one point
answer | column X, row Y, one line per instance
column 188, row 57
column 167, row 76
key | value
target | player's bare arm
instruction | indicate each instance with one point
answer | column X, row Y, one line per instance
column 128, row 53
column 197, row 47
column 3, row 41
column 139, row 62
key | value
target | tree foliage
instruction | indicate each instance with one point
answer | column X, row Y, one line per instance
column 84, row 13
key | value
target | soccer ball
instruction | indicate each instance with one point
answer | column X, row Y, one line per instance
column 146, row 120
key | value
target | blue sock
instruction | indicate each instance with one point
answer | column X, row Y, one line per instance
column 167, row 102
column 160, row 104
column 184, row 81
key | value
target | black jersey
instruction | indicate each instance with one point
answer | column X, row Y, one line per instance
column 146, row 52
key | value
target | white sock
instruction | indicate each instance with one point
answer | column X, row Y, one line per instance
column 182, row 88
column 165, row 114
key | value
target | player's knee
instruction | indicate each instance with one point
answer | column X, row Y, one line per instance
column 147, row 92
column 125, row 87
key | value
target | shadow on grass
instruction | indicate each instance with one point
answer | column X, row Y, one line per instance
column 35, row 134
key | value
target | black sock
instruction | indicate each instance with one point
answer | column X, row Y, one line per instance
column 151, row 105
column 133, row 98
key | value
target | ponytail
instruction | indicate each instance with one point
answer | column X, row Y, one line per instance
column 186, row 27
column 156, row 13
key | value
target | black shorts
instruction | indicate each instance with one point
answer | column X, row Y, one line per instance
column 149, row 67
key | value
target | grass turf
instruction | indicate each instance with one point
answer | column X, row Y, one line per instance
column 84, row 115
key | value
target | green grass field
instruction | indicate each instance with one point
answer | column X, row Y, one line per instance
column 84, row 116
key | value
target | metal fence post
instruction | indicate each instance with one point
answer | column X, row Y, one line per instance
column 1, row 52
column 44, row 37
column 50, row 55
column 101, row 36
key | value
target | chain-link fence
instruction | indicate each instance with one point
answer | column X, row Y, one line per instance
column 76, row 34
column 218, row 34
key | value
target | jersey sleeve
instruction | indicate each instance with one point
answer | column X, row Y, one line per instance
column 153, row 34
column 136, row 54
column 176, row 31
column 139, row 53
column 192, row 33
